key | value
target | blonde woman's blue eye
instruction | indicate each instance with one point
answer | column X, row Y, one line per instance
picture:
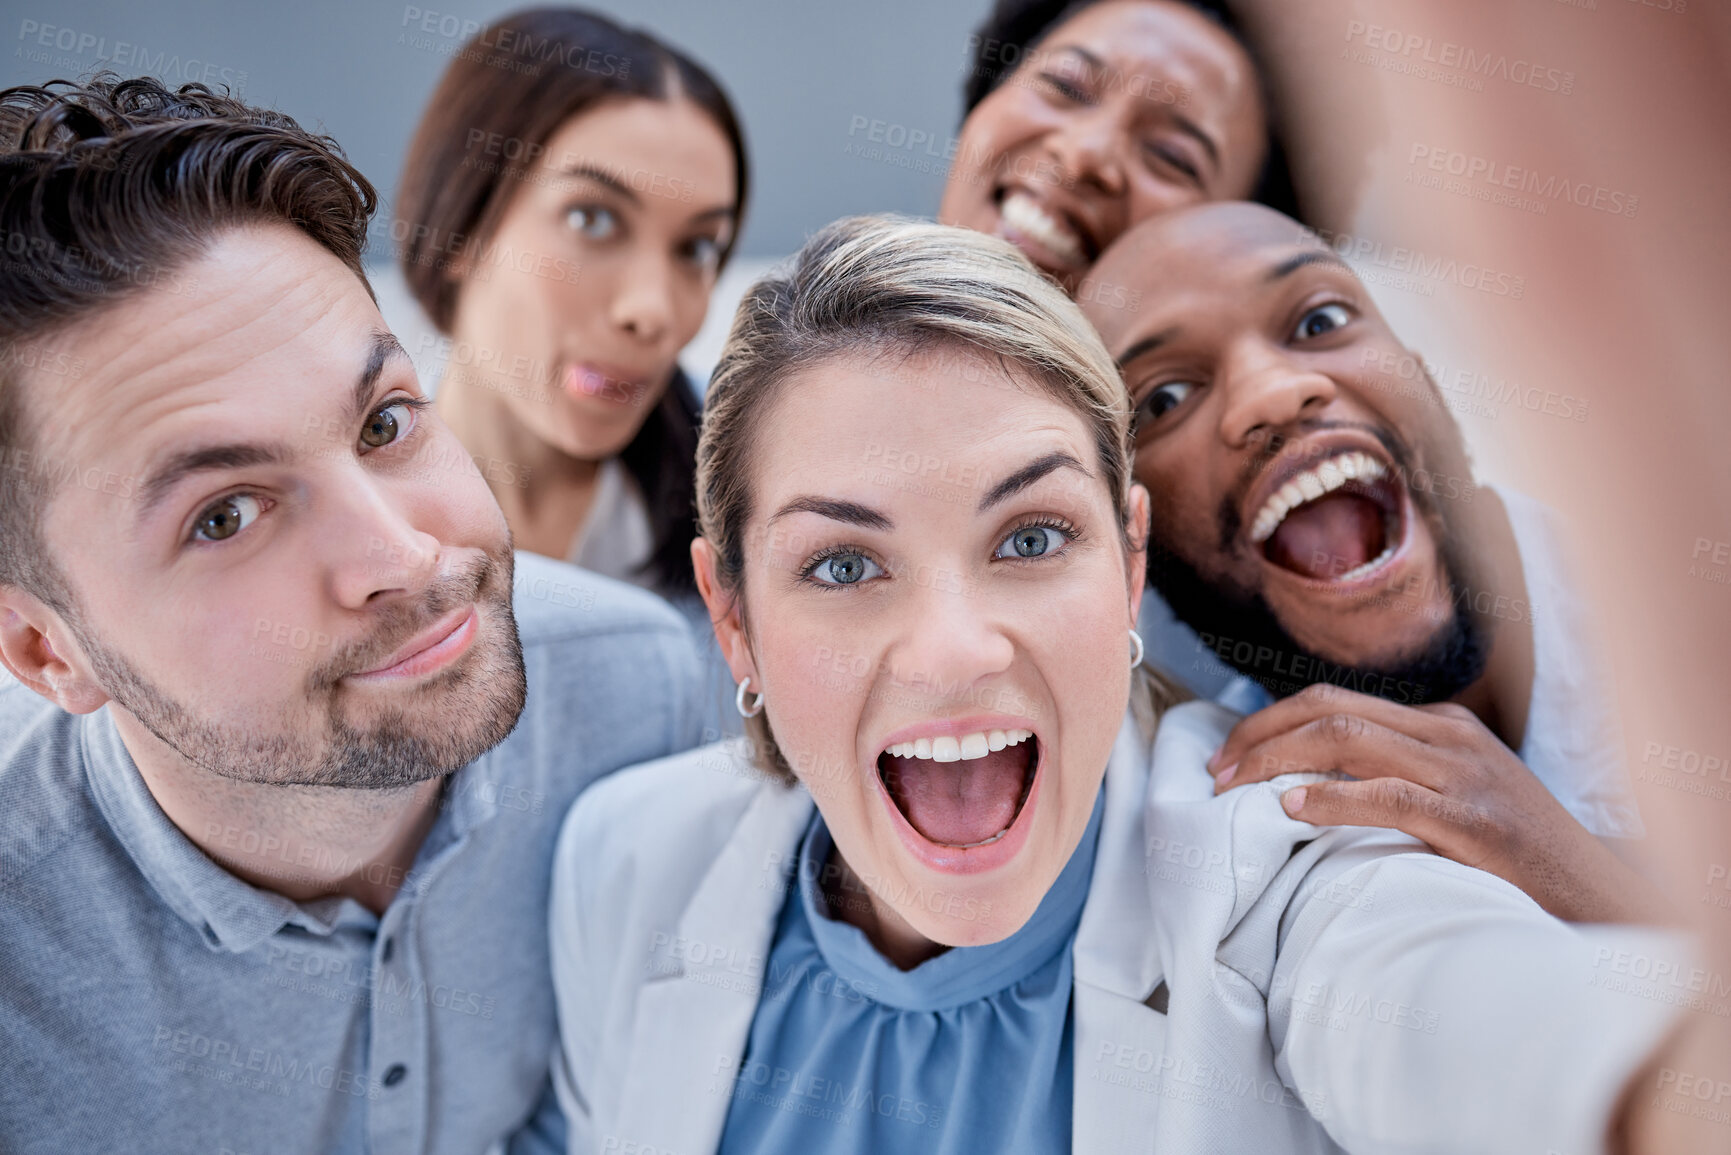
column 593, row 222
column 1032, row 541
column 845, row 569
column 222, row 519
column 1320, row 320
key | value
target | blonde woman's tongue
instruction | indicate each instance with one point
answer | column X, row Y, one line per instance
column 960, row 803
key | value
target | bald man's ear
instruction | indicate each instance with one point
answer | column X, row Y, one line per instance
column 35, row 645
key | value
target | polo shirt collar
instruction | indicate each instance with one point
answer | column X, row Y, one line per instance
column 228, row 913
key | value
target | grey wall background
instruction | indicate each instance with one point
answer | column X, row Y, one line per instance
column 803, row 73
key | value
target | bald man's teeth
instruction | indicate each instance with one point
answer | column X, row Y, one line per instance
column 1313, row 483
column 964, row 749
column 1024, row 214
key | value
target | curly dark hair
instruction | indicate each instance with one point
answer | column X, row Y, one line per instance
column 108, row 187
column 1013, row 28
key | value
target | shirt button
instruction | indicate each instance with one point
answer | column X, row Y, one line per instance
column 395, row 1074
column 385, row 953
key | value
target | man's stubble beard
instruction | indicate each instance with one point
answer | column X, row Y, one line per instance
column 314, row 744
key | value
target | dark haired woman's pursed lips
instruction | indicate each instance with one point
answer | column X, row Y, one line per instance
column 605, row 383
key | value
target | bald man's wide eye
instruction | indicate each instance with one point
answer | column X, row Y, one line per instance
column 1161, row 400
column 1320, row 320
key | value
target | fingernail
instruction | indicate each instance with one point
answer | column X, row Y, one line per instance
column 1225, row 775
column 1214, row 758
column 1293, row 800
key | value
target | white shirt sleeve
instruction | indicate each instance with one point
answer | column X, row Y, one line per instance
column 1451, row 1014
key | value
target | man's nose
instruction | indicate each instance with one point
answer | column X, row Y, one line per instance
column 378, row 552
column 1265, row 389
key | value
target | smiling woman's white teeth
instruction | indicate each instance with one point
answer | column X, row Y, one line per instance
column 966, row 748
column 1313, row 483
column 1022, row 213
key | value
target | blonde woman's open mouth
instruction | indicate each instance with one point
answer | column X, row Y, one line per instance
column 961, row 793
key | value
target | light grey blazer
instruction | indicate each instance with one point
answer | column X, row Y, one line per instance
column 1244, row 982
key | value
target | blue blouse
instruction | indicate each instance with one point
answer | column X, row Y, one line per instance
column 967, row 1052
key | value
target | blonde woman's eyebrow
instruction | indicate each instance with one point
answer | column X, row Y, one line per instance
column 1028, row 475
column 850, row 512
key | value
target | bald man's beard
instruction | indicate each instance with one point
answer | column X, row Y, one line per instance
column 312, row 742
column 1238, row 626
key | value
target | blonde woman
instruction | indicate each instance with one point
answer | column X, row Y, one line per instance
column 965, row 885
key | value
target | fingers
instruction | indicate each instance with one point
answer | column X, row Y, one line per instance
column 1322, row 699
column 1450, row 827
column 1345, row 743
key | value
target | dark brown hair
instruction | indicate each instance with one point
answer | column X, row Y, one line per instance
column 1014, row 28
column 518, row 80
column 107, row 188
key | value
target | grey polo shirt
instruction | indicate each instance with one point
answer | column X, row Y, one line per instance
column 152, row 1002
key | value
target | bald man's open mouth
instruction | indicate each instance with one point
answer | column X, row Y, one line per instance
column 1337, row 514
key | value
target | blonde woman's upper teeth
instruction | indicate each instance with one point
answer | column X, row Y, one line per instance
column 964, row 748
column 1313, row 483
column 1024, row 214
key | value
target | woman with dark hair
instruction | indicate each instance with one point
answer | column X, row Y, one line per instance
column 1085, row 117
column 570, row 196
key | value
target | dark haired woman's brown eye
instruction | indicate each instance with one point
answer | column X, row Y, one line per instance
column 592, row 221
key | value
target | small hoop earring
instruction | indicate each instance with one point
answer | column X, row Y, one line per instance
column 756, row 706
column 1135, row 651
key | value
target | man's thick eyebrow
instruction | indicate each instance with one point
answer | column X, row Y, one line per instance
column 206, row 460
column 602, row 177
column 1146, row 345
column 1028, row 475
column 383, row 349
column 851, row 512
column 1310, row 257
